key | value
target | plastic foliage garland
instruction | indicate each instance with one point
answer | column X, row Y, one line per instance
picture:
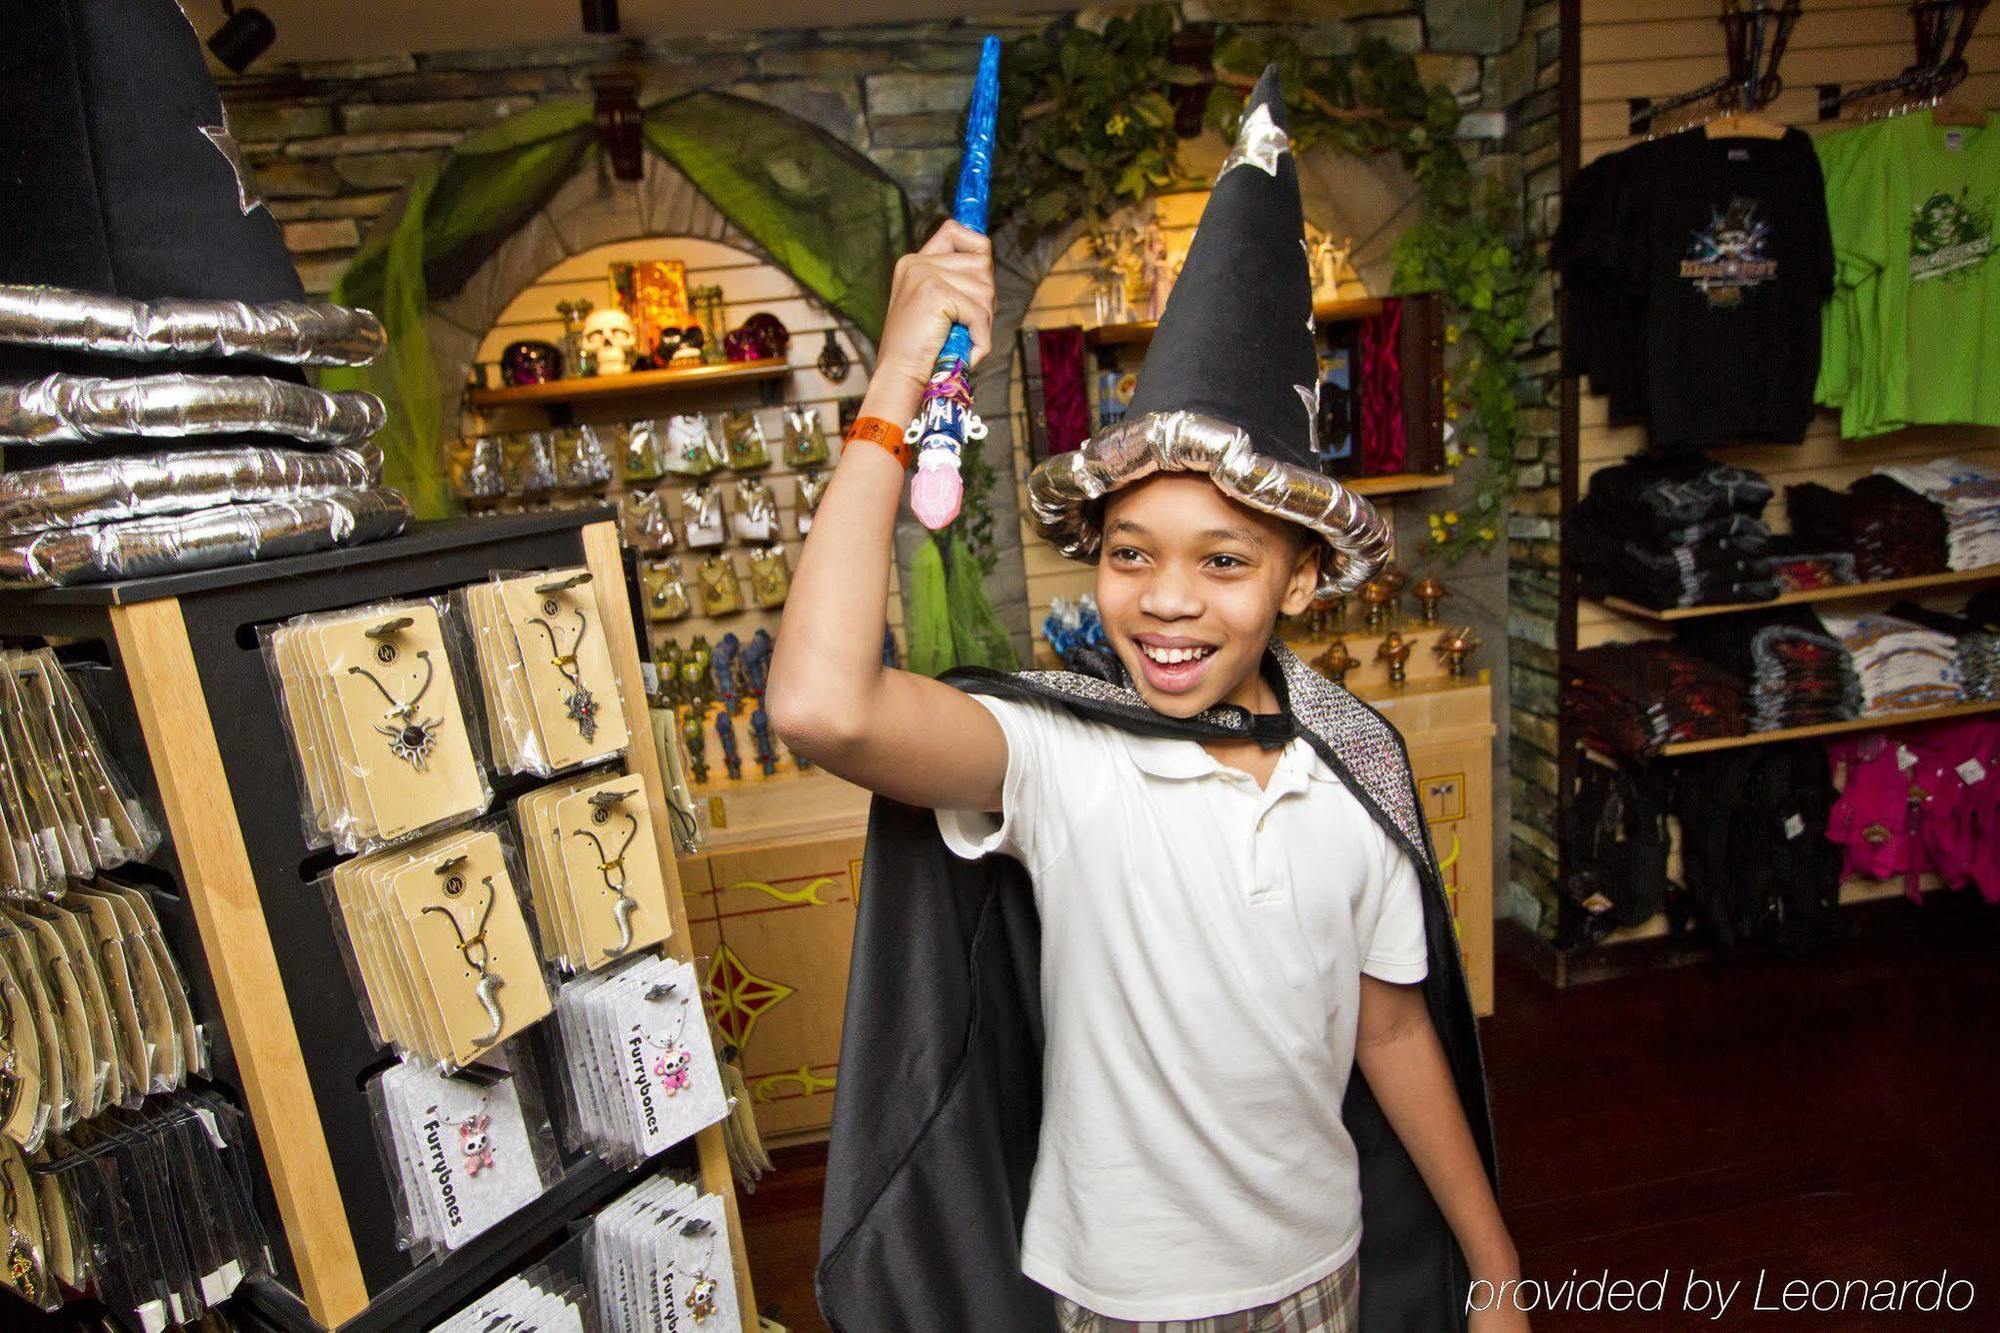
column 1086, row 131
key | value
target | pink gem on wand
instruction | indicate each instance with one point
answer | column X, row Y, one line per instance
column 935, row 491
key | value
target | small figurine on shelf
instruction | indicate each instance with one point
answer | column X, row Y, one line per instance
column 530, row 361
column 755, row 659
column 695, row 736
column 1375, row 596
column 1429, row 593
column 667, row 671
column 760, row 731
column 1393, row 581
column 695, row 684
column 725, row 734
column 611, row 340
column 1454, row 646
column 1336, row 662
column 1395, row 651
column 1336, row 613
column 581, row 362
column 722, row 669
column 707, row 303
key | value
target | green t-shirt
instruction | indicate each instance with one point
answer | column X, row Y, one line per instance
column 1915, row 329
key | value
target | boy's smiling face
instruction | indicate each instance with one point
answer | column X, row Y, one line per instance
column 1187, row 573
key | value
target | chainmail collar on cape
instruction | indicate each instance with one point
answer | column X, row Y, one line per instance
column 1354, row 739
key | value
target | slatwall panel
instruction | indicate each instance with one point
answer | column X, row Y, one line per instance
column 748, row 285
column 1656, row 48
column 1062, row 299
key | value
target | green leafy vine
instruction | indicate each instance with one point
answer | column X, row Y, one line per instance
column 1087, row 127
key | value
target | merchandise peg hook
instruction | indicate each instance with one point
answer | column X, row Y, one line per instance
column 388, row 628
column 563, row 585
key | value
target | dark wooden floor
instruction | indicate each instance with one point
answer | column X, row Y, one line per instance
column 1832, row 1117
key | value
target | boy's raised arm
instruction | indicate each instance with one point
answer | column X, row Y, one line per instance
column 830, row 698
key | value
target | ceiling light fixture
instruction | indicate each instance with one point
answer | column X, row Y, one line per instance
column 244, row 35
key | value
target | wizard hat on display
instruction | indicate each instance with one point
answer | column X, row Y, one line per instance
column 152, row 326
column 1230, row 384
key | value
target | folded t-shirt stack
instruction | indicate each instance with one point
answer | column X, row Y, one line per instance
column 1893, row 532
column 1673, row 531
column 1629, row 699
column 1798, row 675
column 1902, row 664
column 1969, row 495
column 1801, row 566
column 1977, row 632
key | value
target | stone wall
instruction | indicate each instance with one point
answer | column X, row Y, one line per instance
column 334, row 144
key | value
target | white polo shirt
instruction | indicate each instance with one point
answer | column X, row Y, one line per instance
column 1202, row 944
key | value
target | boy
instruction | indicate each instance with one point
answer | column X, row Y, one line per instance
column 1235, row 895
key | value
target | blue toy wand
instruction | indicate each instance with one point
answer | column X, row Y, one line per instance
column 946, row 419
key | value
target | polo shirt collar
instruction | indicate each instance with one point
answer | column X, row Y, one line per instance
column 1170, row 757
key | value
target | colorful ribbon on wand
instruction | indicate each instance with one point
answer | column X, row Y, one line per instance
column 946, row 419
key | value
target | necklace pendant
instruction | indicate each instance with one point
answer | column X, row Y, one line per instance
column 412, row 741
column 581, row 708
column 701, row 1298
column 21, row 1270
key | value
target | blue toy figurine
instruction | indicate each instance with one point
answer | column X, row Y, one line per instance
column 760, row 730
column 722, row 669
column 756, row 660
column 725, row 732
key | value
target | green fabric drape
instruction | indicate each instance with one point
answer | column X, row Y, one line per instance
column 825, row 214
column 951, row 622
column 455, row 216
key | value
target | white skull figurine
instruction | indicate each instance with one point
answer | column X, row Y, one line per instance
column 609, row 336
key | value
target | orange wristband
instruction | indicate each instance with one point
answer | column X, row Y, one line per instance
column 875, row 430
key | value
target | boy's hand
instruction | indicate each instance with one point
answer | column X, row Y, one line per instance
column 949, row 281
column 1503, row 1318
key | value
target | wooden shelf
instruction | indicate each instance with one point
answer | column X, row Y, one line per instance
column 1853, row 890
column 591, row 387
column 1875, row 723
column 1842, row 592
column 1399, row 483
column 1141, row 331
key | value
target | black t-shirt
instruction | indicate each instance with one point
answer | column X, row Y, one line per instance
column 1728, row 240
column 1604, row 328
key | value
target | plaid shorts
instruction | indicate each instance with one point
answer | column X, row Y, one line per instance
column 1330, row 1305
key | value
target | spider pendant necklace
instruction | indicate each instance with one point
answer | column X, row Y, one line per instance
column 487, row 988
column 410, row 740
column 579, row 702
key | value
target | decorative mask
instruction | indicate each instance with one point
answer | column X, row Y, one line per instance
column 609, row 336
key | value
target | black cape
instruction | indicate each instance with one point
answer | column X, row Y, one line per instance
column 938, row 1108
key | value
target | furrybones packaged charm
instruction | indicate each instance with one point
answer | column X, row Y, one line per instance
column 378, row 730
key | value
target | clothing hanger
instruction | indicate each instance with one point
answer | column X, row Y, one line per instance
column 1746, row 126
column 1951, row 111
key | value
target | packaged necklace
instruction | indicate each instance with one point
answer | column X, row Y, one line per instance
column 463, row 1151
column 743, row 444
column 721, row 590
column 770, row 575
column 594, row 870
column 551, row 1296
column 812, row 485
column 649, row 526
column 690, row 446
column 666, row 590
column 756, row 516
column 805, row 442
column 438, row 946
column 661, row 1258
column 583, row 462
column 551, row 699
column 701, row 512
column 639, row 449
column 638, row 1061
column 380, row 738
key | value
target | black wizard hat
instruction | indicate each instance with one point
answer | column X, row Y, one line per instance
column 1230, row 384
column 154, row 335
